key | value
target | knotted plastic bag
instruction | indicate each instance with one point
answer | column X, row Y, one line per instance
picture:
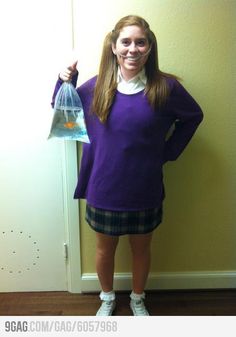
column 68, row 119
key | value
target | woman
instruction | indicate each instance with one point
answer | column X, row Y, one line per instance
column 129, row 109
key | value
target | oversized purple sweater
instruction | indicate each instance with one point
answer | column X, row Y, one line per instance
column 121, row 169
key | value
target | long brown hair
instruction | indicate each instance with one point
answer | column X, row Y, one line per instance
column 106, row 84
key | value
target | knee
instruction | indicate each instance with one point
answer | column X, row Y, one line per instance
column 104, row 252
column 139, row 249
column 106, row 246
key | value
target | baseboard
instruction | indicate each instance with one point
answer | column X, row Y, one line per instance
column 165, row 281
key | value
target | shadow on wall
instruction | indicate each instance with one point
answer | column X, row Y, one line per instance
column 197, row 230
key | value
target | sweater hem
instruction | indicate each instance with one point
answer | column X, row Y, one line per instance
column 124, row 208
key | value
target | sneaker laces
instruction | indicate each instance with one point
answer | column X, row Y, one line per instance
column 139, row 308
column 106, row 308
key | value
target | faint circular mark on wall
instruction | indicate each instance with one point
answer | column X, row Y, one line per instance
column 19, row 252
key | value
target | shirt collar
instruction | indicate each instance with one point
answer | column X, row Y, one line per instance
column 141, row 76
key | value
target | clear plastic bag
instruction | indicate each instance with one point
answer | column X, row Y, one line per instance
column 68, row 120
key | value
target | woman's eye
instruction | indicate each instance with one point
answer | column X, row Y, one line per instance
column 141, row 43
column 125, row 42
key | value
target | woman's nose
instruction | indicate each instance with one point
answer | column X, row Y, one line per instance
column 133, row 47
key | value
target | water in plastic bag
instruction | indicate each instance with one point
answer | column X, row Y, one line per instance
column 68, row 120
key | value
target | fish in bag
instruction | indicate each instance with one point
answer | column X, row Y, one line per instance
column 68, row 119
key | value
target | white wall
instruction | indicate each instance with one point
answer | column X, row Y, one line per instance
column 35, row 38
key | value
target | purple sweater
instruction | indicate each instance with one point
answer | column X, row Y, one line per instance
column 121, row 169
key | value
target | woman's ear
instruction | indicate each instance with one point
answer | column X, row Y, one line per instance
column 113, row 47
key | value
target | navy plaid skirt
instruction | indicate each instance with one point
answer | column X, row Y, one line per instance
column 123, row 222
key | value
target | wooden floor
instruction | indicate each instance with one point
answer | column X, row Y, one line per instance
column 159, row 303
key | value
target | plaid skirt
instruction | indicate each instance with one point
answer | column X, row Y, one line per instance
column 123, row 222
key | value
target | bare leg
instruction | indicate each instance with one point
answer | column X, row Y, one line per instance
column 141, row 259
column 105, row 253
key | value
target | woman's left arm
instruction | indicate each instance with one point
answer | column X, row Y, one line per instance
column 187, row 114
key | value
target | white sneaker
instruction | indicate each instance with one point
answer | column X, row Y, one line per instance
column 107, row 308
column 138, row 308
column 137, row 304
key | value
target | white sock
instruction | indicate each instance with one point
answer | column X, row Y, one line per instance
column 137, row 297
column 107, row 296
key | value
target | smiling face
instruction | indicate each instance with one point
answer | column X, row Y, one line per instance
column 131, row 48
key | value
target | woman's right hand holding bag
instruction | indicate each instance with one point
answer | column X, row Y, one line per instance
column 67, row 74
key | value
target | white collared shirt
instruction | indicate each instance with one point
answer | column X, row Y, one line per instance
column 133, row 85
